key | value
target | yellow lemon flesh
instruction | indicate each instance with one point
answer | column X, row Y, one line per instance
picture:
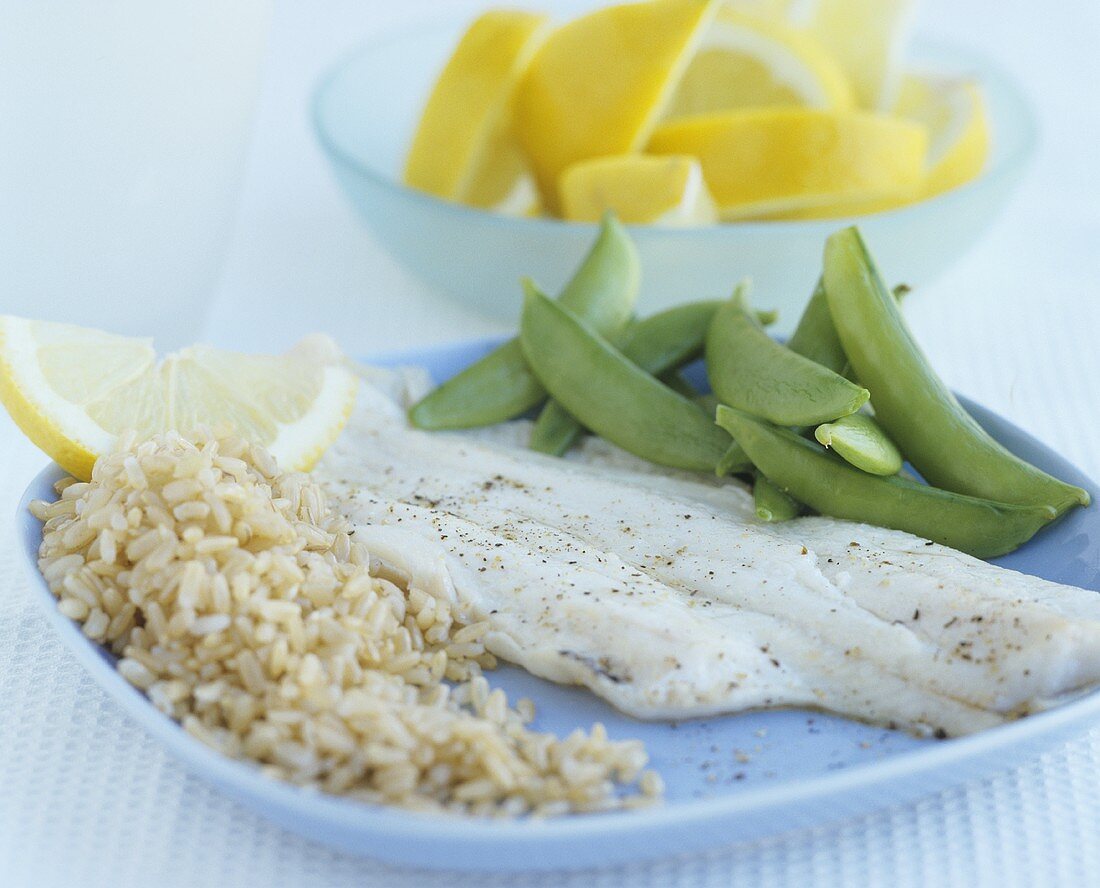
column 639, row 189
column 465, row 149
column 778, row 162
column 868, row 38
column 600, row 83
column 954, row 113
column 73, row 391
column 748, row 62
column 794, row 12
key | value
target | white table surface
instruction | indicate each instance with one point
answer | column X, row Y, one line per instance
column 86, row 799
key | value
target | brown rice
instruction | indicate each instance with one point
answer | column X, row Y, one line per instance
column 239, row 602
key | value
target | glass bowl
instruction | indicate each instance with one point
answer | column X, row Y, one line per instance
column 366, row 108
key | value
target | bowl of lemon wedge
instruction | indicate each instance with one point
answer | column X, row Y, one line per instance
column 731, row 137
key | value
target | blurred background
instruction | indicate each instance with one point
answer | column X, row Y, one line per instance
column 280, row 251
column 298, row 245
column 1013, row 324
column 253, row 244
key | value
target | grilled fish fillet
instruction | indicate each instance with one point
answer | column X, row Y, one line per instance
column 664, row 595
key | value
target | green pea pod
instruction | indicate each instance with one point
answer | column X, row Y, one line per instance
column 657, row 344
column 500, row 386
column 663, row 341
column 610, row 394
column 860, row 440
column 734, row 461
column 942, row 440
column 751, row 371
column 676, row 381
column 555, row 430
column 772, row 502
column 708, row 402
column 496, row 388
column 815, row 337
column 670, row 338
column 829, row 485
column 604, row 289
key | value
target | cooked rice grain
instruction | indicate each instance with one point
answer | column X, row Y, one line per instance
column 240, row 603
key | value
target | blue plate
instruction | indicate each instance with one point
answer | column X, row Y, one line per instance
column 728, row 779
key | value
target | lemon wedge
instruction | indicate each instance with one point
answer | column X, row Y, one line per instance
column 639, row 189
column 745, row 62
column 953, row 110
column 795, row 12
column 775, row 162
column 600, row 83
column 465, row 148
column 74, row 390
column 868, row 39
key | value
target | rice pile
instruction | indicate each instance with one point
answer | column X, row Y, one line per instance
column 241, row 605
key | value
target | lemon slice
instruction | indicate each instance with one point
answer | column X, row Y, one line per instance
column 639, row 189
column 747, row 62
column 868, row 38
column 953, row 110
column 74, row 390
column 465, row 148
column 600, row 83
column 772, row 162
column 798, row 13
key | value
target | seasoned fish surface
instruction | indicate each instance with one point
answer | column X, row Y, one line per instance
column 664, row 595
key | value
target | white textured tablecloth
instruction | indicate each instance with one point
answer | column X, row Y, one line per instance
column 86, row 799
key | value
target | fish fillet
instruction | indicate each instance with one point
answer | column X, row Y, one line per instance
column 663, row 594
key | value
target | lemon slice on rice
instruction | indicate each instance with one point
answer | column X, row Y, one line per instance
column 73, row 391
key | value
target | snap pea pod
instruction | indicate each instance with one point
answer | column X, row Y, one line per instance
column 772, row 502
column 816, row 338
column 751, row 371
column 555, row 430
column 496, row 388
column 943, row 442
column 675, row 336
column 610, row 394
column 669, row 338
column 734, row 461
column 500, row 386
column 657, row 344
column 829, row 485
column 766, row 316
column 708, row 402
column 676, row 381
column 663, row 341
column 860, row 440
